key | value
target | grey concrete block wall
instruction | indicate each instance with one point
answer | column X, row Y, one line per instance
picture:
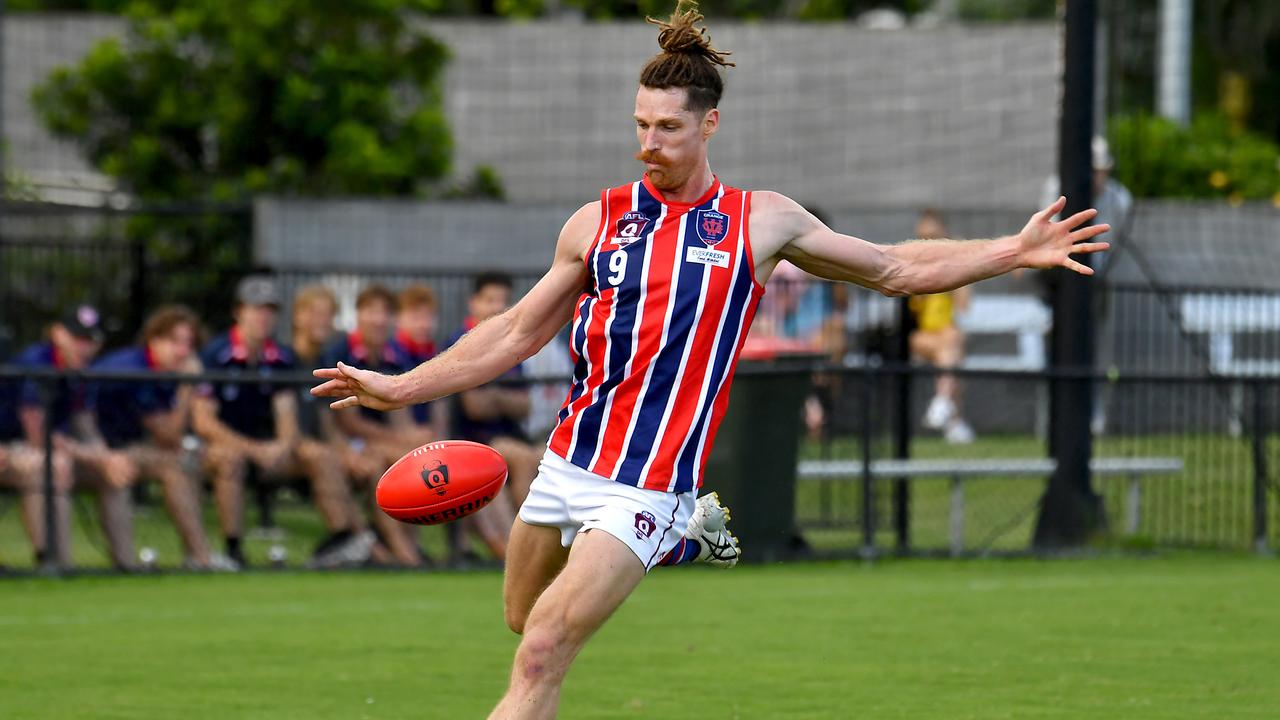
column 32, row 46
column 826, row 113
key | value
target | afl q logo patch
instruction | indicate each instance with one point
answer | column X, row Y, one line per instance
column 436, row 478
column 645, row 524
column 630, row 228
column 713, row 226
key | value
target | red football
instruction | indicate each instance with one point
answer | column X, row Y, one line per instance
column 441, row 482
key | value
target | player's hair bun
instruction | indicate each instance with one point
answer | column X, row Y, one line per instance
column 680, row 35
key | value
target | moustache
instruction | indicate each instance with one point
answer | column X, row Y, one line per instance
column 651, row 156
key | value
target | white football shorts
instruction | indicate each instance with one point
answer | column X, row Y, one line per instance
column 573, row 500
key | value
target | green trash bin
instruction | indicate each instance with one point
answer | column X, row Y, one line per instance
column 753, row 462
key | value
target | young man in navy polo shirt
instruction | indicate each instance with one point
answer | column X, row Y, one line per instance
column 257, row 422
column 79, row 452
column 148, row 420
column 380, row 437
column 416, row 338
column 314, row 309
column 493, row 414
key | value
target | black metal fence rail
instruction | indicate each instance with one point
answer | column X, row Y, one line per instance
column 1212, row 485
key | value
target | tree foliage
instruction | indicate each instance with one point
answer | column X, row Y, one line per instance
column 218, row 100
column 1156, row 157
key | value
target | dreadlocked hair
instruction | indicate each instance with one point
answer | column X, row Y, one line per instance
column 687, row 59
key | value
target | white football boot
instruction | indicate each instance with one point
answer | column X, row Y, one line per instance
column 708, row 527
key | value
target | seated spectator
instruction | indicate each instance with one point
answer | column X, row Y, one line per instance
column 416, row 338
column 314, row 309
column 79, row 453
column 938, row 341
column 147, row 421
column 378, row 439
column 255, row 424
column 493, row 414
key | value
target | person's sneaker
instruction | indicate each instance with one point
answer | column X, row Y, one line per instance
column 217, row 563
column 717, row 545
column 941, row 410
column 343, row 549
column 223, row 564
column 958, row 432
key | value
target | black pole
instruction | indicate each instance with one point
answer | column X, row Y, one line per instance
column 1259, row 468
column 868, row 489
column 49, row 563
column 1071, row 511
column 902, row 427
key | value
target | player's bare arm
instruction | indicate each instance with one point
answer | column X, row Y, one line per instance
column 489, row 350
column 782, row 229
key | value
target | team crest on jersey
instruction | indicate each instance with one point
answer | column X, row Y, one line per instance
column 630, row 228
column 713, row 226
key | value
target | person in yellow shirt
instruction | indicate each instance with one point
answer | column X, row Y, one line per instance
column 938, row 341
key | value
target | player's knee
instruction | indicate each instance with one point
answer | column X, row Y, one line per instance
column 537, row 657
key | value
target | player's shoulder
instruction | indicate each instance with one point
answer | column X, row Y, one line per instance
column 580, row 230
column 586, row 218
column 770, row 201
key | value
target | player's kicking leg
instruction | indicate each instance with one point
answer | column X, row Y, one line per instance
column 535, row 556
column 600, row 573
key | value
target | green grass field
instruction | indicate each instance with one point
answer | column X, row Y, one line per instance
column 1177, row 636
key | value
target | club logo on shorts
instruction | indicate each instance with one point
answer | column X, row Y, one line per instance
column 645, row 525
column 630, row 228
column 713, row 226
column 436, row 478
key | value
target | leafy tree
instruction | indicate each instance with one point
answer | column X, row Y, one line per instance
column 213, row 101
column 1156, row 157
column 217, row 100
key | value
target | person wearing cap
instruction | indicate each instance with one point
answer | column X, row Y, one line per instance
column 1115, row 208
column 148, row 420
column 377, row 438
column 79, row 452
column 255, row 424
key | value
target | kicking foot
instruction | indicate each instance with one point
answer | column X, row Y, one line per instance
column 708, row 528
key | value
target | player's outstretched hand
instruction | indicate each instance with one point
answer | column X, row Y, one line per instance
column 1047, row 243
column 354, row 387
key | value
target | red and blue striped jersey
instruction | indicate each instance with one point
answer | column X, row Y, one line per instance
column 656, row 335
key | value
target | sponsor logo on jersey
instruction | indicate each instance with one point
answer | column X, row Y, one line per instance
column 436, row 478
column 630, row 228
column 713, row 226
column 646, row 523
column 707, row 256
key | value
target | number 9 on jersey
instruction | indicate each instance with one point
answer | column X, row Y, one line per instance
column 617, row 267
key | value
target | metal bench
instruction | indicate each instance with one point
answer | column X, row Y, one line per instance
column 959, row 470
column 1023, row 316
column 1221, row 317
